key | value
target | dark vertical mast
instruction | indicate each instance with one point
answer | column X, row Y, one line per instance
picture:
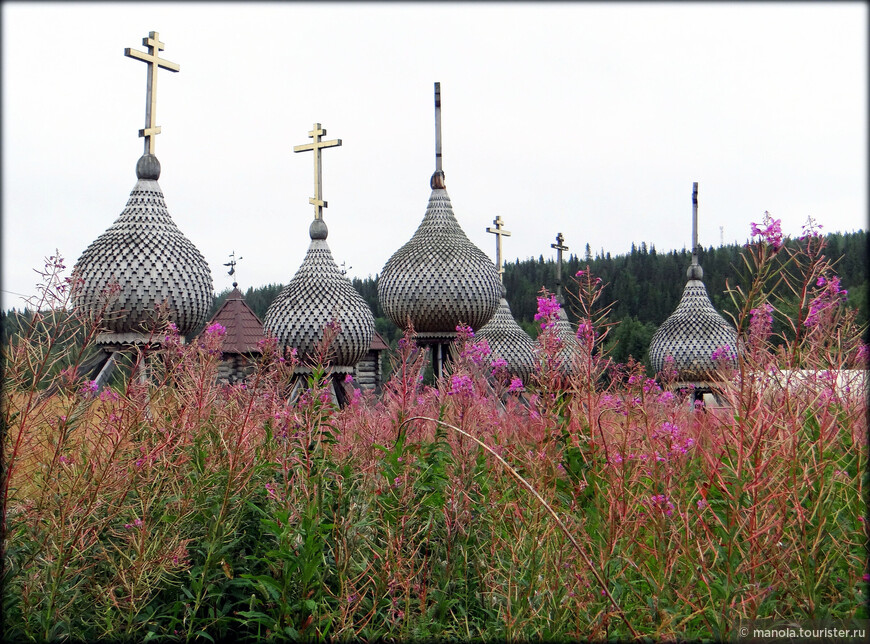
column 438, row 177
column 695, row 223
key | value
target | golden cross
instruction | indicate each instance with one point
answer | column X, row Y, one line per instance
column 559, row 246
column 499, row 233
column 152, row 58
column 316, row 145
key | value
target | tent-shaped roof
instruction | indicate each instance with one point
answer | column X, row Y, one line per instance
column 244, row 330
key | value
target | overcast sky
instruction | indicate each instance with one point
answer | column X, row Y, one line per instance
column 588, row 119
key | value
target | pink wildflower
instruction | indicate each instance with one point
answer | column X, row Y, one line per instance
column 516, row 385
column 90, row 388
column 772, row 231
column 760, row 322
column 461, row 384
column 825, row 301
column 722, row 354
column 216, row 329
column 548, row 311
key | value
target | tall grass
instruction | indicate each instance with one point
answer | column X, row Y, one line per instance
column 604, row 505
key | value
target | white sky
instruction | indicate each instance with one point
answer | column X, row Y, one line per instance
column 589, row 119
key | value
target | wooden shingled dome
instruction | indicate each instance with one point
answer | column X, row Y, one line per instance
column 149, row 261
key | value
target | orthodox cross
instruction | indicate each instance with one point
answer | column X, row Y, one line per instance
column 695, row 222
column 316, row 146
column 232, row 264
column 153, row 60
column 499, row 233
column 559, row 246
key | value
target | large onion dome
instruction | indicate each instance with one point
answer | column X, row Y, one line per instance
column 508, row 341
column 317, row 295
column 439, row 279
column 145, row 254
column 695, row 330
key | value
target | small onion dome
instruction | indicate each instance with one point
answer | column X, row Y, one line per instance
column 317, row 295
column 152, row 262
column 691, row 335
column 570, row 347
column 439, row 279
column 565, row 331
column 508, row 341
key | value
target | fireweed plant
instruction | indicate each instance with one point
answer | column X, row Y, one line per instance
column 591, row 502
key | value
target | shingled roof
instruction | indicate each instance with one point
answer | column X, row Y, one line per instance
column 244, row 328
column 378, row 343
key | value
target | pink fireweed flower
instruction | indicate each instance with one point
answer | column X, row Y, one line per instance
column 811, row 229
column 349, row 378
column 662, row 503
column 107, row 395
column 216, row 329
column 666, row 397
column 772, row 231
column 476, row 352
column 138, row 523
column 548, row 311
column 515, row 386
column 830, row 296
column 464, row 332
column 722, row 354
column 90, row 388
column 760, row 322
column 461, row 384
column 586, row 333
column 498, row 366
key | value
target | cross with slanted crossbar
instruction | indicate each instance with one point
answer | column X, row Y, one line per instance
column 153, row 60
column 559, row 246
column 317, row 145
column 499, row 233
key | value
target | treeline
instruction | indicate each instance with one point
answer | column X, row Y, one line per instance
column 643, row 285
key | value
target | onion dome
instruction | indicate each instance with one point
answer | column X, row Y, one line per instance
column 508, row 341
column 318, row 294
column 565, row 331
column 439, row 279
column 145, row 254
column 695, row 330
column 691, row 335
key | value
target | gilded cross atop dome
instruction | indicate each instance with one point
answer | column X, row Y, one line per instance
column 316, row 146
column 153, row 60
column 559, row 246
column 499, row 232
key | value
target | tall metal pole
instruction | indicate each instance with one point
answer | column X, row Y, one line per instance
column 437, row 180
column 695, row 223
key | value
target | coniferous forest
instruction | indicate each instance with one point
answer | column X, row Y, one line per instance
column 644, row 287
